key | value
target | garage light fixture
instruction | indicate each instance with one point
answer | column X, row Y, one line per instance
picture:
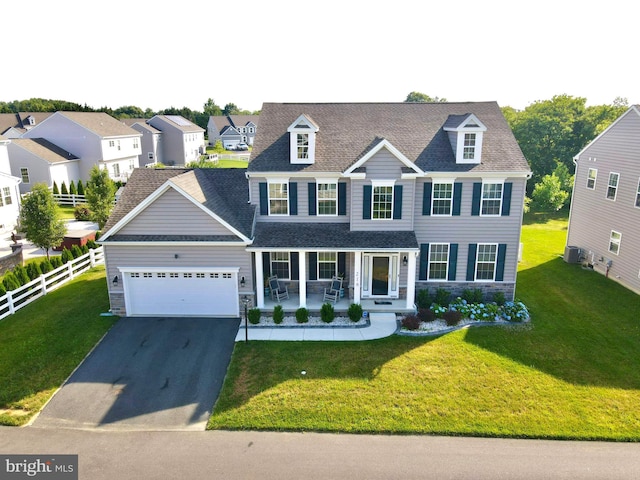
column 242, row 282
column 175, row 255
column 115, row 280
column 405, row 261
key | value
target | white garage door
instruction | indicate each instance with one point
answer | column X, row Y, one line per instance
column 198, row 293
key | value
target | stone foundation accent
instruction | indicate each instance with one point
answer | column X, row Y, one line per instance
column 9, row 261
column 456, row 289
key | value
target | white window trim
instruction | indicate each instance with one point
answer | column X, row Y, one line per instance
column 446, row 274
column 381, row 183
column 326, row 182
column 24, row 171
column 271, row 261
column 594, row 178
column 278, row 182
column 636, row 200
column 433, row 199
column 335, row 262
column 606, row 193
column 495, row 263
column 617, row 242
column 482, row 199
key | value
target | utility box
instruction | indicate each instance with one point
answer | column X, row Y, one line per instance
column 571, row 254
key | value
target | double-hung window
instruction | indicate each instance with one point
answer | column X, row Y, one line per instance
column 612, row 188
column 469, row 151
column 116, row 170
column 614, row 242
column 438, row 261
column 442, row 199
column 303, row 145
column 280, row 265
column 327, row 199
column 6, row 196
column 591, row 178
column 486, row 259
column 382, row 202
column 278, row 199
column 24, row 173
column 327, row 265
column 491, row 199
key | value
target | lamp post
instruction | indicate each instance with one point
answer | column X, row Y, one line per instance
column 245, row 302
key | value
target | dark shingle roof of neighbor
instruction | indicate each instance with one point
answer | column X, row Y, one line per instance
column 347, row 131
column 328, row 235
column 223, row 191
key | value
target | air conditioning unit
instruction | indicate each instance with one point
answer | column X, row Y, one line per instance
column 571, row 254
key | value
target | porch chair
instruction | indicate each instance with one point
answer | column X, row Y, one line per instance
column 278, row 291
column 332, row 294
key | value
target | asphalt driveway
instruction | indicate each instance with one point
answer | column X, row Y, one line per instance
column 147, row 374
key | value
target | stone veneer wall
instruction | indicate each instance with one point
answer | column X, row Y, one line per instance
column 9, row 261
column 456, row 289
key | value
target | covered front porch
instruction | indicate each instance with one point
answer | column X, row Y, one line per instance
column 314, row 304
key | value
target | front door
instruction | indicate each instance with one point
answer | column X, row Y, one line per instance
column 380, row 275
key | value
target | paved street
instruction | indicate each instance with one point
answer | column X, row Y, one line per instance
column 265, row 456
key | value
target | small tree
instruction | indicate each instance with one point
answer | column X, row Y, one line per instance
column 63, row 189
column 548, row 195
column 21, row 274
column 56, row 190
column 10, row 282
column 101, row 193
column 80, row 188
column 46, row 266
column 40, row 218
column 33, row 270
column 72, row 188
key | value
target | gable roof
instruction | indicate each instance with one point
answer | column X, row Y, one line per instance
column 19, row 120
column 44, row 149
column 176, row 121
column 632, row 108
column 348, row 131
column 100, row 123
column 221, row 191
column 220, row 121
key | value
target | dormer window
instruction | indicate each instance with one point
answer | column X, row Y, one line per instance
column 302, row 140
column 465, row 134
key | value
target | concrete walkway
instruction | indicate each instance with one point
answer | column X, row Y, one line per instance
column 381, row 325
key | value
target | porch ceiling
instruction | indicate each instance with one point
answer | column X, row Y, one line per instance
column 311, row 236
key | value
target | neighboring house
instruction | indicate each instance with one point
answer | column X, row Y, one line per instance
column 14, row 125
column 232, row 129
column 9, row 192
column 36, row 160
column 393, row 197
column 181, row 141
column 95, row 138
column 604, row 223
column 151, row 143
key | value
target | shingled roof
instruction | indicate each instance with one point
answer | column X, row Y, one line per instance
column 347, row 131
column 223, row 191
column 44, row 149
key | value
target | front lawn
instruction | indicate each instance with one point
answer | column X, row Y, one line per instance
column 573, row 372
column 44, row 342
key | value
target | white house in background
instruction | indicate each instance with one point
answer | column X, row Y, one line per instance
column 9, row 193
column 95, row 138
column 181, row 141
column 36, row 160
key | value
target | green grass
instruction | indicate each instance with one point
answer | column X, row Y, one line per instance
column 66, row 212
column 233, row 163
column 573, row 372
column 44, row 342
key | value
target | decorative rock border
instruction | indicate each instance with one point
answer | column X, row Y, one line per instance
column 425, row 333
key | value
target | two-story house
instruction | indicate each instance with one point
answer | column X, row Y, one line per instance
column 14, row 125
column 179, row 143
column 9, row 190
column 95, row 138
column 391, row 197
column 232, row 129
column 604, row 223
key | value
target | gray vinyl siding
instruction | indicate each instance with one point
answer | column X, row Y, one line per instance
column 193, row 256
column 593, row 216
column 466, row 229
column 173, row 214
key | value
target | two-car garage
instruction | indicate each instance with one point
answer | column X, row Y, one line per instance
column 206, row 292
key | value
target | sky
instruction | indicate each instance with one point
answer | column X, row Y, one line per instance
column 161, row 54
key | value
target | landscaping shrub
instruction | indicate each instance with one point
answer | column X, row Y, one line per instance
column 21, row 274
column 355, row 312
column 423, row 300
column 426, row 315
column 82, row 212
column 92, row 244
column 63, row 189
column 72, row 188
column 46, row 266
column 33, row 270
column 327, row 313
column 442, row 297
column 66, row 255
column 56, row 190
column 80, row 188
column 254, row 316
column 411, row 322
column 278, row 314
column 302, row 315
column 514, row 311
column 452, row 317
column 76, row 251
column 56, row 261
column 3, row 291
column 84, row 249
column 472, row 296
column 499, row 298
column 438, row 310
column 10, row 281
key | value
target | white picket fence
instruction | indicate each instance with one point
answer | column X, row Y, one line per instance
column 14, row 300
column 69, row 199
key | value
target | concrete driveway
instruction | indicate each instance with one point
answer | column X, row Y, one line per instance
column 147, row 374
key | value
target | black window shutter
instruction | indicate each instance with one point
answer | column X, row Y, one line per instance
column 457, row 196
column 295, row 266
column 342, row 263
column 264, row 201
column 506, row 198
column 397, row 202
column 293, row 198
column 266, row 264
column 471, row 262
column 342, row 198
column 502, row 253
column 313, row 266
column 426, row 198
column 477, row 196
column 453, row 261
column 312, row 198
column 366, row 202
column 424, row 261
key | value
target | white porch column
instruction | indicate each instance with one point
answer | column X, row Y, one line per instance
column 257, row 258
column 357, row 276
column 411, row 279
column 302, row 276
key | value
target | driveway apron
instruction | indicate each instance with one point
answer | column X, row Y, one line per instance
column 147, row 374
